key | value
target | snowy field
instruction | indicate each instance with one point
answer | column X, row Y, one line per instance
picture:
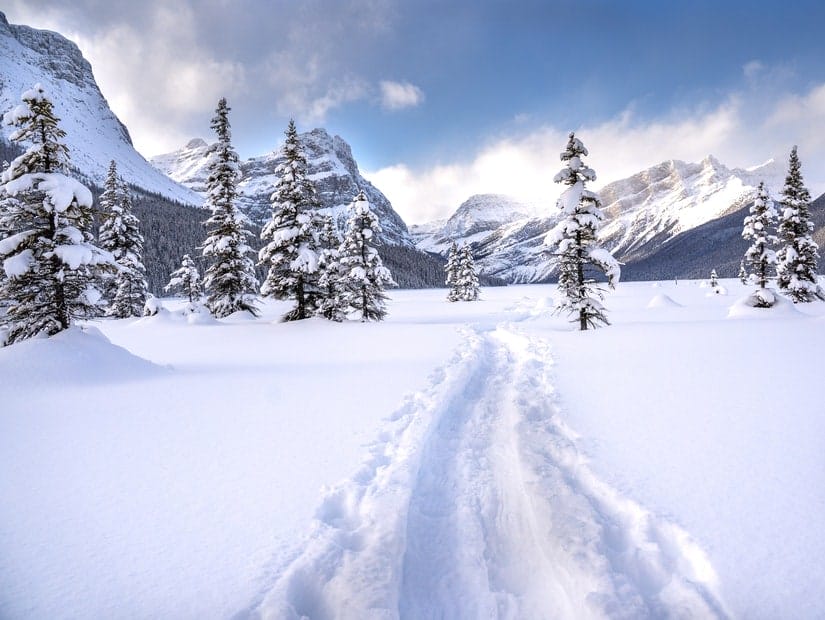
column 467, row 460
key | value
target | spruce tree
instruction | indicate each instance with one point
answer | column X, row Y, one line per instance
column 575, row 242
column 331, row 300
column 108, row 203
column 293, row 234
column 714, row 279
column 186, row 279
column 120, row 235
column 760, row 255
column 48, row 255
column 365, row 277
column 467, row 276
column 796, row 259
column 743, row 273
column 230, row 281
column 452, row 269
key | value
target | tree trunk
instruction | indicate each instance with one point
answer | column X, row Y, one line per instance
column 580, row 273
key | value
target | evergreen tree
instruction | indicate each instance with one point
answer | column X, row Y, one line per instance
column 293, row 234
column 108, row 203
column 760, row 255
column 365, row 276
column 331, row 301
column 743, row 273
column 452, row 269
column 47, row 252
column 230, row 280
column 574, row 238
column 186, row 279
column 797, row 258
column 468, row 278
column 120, row 235
column 714, row 279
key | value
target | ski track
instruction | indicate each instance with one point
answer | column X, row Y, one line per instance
column 475, row 503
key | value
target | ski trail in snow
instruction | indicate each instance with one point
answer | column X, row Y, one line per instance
column 476, row 503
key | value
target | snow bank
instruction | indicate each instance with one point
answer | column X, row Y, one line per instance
column 747, row 307
column 663, row 301
column 78, row 355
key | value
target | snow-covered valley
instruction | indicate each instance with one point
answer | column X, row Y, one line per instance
column 457, row 460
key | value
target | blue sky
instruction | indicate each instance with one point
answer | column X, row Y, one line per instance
column 443, row 99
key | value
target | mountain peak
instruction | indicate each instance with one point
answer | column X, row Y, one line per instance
column 195, row 143
column 94, row 135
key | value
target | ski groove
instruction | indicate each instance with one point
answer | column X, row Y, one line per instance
column 476, row 503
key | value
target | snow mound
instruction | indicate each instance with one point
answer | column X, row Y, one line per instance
column 747, row 307
column 198, row 314
column 76, row 355
column 663, row 301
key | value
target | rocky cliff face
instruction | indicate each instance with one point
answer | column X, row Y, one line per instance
column 332, row 168
column 94, row 134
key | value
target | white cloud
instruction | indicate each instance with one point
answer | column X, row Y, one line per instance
column 742, row 131
column 398, row 95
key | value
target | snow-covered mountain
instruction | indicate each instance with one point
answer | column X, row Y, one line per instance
column 473, row 221
column 660, row 202
column 332, row 169
column 644, row 212
column 94, row 134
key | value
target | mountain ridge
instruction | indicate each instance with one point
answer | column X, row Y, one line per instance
column 331, row 167
column 94, row 134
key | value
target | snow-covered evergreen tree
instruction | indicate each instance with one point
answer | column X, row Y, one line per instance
column 186, row 279
column 120, row 235
column 452, row 267
column 796, row 259
column 467, row 276
column 743, row 273
column 331, row 300
column 108, row 202
column 365, row 277
column 760, row 255
column 293, row 234
column 47, row 252
column 575, row 242
column 714, row 279
column 230, row 281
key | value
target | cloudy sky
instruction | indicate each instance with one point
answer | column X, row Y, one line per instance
column 444, row 99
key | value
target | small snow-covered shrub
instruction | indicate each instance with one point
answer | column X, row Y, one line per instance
column 152, row 306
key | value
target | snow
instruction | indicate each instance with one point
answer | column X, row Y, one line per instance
column 61, row 190
column 456, row 460
column 19, row 264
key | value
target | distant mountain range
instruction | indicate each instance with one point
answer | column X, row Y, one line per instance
column 673, row 219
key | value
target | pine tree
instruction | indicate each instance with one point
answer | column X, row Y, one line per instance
column 120, row 235
column 186, row 279
column 743, row 273
column 331, row 301
column 452, row 268
column 797, row 258
column 714, row 279
column 468, row 278
column 365, row 276
column 293, row 234
column 48, row 255
column 760, row 255
column 574, row 238
column 108, row 203
column 230, row 280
